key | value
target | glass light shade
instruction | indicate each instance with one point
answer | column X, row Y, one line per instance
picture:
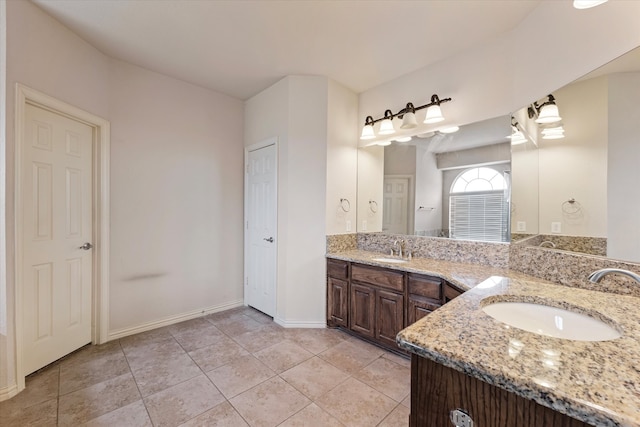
column 586, row 4
column 434, row 114
column 384, row 143
column 386, row 127
column 450, row 129
column 548, row 114
column 553, row 133
column 367, row 132
column 518, row 138
column 404, row 139
column 408, row 121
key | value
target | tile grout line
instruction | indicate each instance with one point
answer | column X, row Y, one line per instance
column 135, row 382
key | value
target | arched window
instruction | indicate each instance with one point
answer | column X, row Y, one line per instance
column 479, row 179
column 478, row 206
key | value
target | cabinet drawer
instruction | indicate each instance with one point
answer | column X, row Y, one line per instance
column 373, row 276
column 425, row 286
column 337, row 269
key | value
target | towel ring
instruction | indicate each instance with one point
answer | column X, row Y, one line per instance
column 345, row 205
column 373, row 205
column 571, row 207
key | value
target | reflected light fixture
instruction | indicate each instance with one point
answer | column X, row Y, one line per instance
column 546, row 112
column 404, row 139
column 587, row 4
column 517, row 136
column 450, row 129
column 556, row 132
column 386, row 126
column 384, row 143
column 407, row 114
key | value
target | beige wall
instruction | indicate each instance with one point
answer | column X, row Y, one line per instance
column 176, row 176
column 370, row 187
column 295, row 110
column 576, row 166
column 342, row 158
column 176, row 198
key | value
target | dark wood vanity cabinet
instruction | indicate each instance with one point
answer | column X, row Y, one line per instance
column 436, row 390
column 376, row 303
column 337, row 293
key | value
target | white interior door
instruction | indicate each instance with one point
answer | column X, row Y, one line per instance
column 395, row 217
column 260, row 281
column 57, row 221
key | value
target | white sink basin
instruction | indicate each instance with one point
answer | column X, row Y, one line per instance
column 551, row 321
column 390, row 260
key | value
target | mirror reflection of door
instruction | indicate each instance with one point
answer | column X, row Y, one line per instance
column 397, row 205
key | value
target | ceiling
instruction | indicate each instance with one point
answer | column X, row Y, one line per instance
column 241, row 47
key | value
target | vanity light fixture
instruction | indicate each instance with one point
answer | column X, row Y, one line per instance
column 409, row 117
column 386, row 126
column 407, row 114
column 546, row 112
column 367, row 129
column 384, row 143
column 587, row 4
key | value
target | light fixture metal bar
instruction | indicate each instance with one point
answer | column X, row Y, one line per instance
column 434, row 101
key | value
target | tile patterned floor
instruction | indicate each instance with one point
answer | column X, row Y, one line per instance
column 235, row 368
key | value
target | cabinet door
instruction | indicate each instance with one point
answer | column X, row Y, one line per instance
column 418, row 308
column 389, row 316
column 451, row 292
column 362, row 316
column 337, row 302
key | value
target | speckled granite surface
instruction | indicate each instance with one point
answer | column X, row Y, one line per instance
column 463, row 275
column 341, row 242
column 596, row 382
column 581, row 244
column 485, row 253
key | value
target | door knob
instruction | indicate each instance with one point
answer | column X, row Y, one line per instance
column 86, row 246
column 270, row 239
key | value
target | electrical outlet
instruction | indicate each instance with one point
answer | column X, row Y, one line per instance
column 521, row 226
column 556, row 227
column 364, row 225
column 348, row 225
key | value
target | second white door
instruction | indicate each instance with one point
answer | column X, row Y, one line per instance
column 57, row 232
column 261, row 224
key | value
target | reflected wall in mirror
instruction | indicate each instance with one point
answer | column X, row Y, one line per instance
column 588, row 197
column 439, row 184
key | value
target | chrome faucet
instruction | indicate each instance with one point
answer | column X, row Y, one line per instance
column 547, row 242
column 597, row 275
column 397, row 244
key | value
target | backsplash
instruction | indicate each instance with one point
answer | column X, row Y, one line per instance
column 572, row 269
column 483, row 253
column 342, row 242
column 581, row 244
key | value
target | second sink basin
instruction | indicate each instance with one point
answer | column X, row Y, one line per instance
column 390, row 260
column 551, row 321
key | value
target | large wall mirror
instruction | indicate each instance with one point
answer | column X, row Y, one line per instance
column 439, row 184
column 588, row 183
column 579, row 193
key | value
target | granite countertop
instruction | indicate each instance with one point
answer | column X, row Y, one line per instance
column 595, row 382
column 464, row 276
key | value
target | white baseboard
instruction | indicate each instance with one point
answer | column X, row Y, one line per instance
column 300, row 323
column 121, row 333
column 8, row 392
